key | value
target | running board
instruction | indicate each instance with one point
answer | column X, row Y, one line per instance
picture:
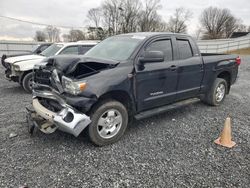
column 162, row 109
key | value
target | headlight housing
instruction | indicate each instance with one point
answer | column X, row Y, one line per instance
column 16, row 67
column 72, row 87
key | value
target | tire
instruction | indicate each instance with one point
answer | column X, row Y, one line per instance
column 109, row 122
column 217, row 93
column 27, row 82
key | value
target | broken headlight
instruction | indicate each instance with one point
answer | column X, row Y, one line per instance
column 73, row 87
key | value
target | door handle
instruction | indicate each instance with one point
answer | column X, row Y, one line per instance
column 173, row 67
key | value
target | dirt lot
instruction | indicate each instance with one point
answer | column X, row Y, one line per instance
column 174, row 149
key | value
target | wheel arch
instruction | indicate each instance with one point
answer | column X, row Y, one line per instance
column 226, row 75
column 119, row 95
column 23, row 75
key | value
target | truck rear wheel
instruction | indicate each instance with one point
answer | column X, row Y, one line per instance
column 217, row 93
column 109, row 122
column 27, row 82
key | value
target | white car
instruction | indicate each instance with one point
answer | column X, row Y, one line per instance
column 19, row 68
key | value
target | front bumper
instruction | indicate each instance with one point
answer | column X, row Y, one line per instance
column 10, row 74
column 67, row 119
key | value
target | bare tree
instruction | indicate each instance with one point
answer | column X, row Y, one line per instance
column 112, row 18
column 53, row 33
column 76, row 35
column 218, row 23
column 95, row 33
column 149, row 17
column 95, row 15
column 129, row 13
column 40, row 36
column 198, row 33
column 178, row 22
column 242, row 28
column 123, row 16
column 231, row 26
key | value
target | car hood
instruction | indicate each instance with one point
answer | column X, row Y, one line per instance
column 17, row 59
column 69, row 64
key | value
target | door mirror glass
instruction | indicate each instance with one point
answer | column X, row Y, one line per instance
column 152, row 57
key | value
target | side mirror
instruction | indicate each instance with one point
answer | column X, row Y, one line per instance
column 152, row 57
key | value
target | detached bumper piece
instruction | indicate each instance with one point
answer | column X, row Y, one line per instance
column 67, row 120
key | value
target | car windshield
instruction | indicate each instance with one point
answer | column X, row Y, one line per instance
column 115, row 48
column 52, row 50
column 34, row 48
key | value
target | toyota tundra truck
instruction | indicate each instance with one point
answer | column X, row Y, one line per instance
column 128, row 76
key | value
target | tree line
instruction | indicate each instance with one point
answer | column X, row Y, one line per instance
column 124, row 16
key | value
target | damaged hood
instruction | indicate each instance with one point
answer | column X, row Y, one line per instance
column 69, row 64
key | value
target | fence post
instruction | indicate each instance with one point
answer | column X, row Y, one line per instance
column 227, row 47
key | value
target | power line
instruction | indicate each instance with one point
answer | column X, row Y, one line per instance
column 41, row 24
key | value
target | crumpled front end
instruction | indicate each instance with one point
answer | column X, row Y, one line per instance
column 61, row 94
column 54, row 109
column 50, row 112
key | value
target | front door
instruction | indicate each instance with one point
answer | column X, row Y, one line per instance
column 156, row 83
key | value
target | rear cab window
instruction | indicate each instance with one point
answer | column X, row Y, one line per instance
column 184, row 48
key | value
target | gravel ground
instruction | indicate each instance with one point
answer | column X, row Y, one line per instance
column 174, row 149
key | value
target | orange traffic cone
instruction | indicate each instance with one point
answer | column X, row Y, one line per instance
column 225, row 138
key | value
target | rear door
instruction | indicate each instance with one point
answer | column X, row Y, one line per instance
column 190, row 69
column 156, row 83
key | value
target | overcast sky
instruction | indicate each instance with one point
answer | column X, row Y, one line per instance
column 73, row 13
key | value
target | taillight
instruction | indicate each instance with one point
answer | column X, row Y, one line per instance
column 238, row 60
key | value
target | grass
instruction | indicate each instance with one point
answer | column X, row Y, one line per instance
column 245, row 51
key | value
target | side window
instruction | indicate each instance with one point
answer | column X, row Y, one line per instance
column 84, row 49
column 185, row 50
column 70, row 50
column 162, row 45
column 43, row 48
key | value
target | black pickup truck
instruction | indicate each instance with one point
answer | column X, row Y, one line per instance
column 130, row 75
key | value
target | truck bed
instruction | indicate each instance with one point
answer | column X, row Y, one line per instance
column 213, row 57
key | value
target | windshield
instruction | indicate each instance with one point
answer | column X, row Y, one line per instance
column 115, row 48
column 34, row 48
column 52, row 50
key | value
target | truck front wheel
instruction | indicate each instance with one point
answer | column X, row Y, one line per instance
column 217, row 93
column 27, row 82
column 109, row 122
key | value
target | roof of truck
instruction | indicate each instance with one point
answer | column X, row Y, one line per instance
column 150, row 34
